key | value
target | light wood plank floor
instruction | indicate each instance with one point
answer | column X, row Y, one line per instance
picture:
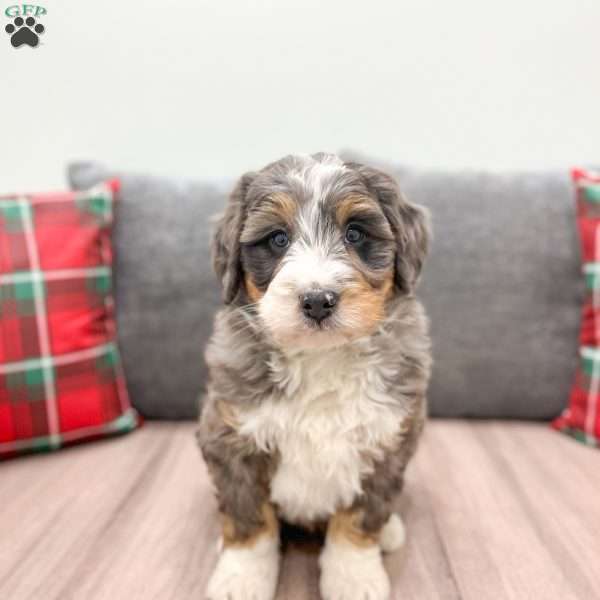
column 494, row 510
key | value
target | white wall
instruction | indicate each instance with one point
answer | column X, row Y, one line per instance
column 211, row 88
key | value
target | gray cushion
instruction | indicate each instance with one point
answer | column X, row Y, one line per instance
column 502, row 288
column 166, row 293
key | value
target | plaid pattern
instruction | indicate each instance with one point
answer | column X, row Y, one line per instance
column 61, row 379
column 581, row 419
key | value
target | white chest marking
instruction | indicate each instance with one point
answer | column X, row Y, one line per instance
column 331, row 421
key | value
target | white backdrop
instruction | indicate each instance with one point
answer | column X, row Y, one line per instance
column 211, row 88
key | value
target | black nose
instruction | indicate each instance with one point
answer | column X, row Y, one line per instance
column 319, row 304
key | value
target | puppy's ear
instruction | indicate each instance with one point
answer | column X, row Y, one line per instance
column 225, row 248
column 409, row 222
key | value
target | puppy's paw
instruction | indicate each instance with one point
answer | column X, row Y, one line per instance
column 246, row 573
column 393, row 534
column 352, row 573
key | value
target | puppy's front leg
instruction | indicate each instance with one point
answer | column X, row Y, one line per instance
column 249, row 564
column 351, row 566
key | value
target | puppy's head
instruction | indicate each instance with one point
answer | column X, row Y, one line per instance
column 320, row 246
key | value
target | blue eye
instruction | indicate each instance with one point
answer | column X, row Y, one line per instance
column 279, row 240
column 354, row 235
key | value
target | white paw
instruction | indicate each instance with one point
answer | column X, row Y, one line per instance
column 246, row 573
column 352, row 573
column 393, row 534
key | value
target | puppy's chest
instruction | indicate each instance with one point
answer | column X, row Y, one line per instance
column 332, row 421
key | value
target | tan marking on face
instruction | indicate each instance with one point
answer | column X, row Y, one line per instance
column 227, row 414
column 387, row 289
column 275, row 211
column 253, row 292
column 368, row 301
column 285, row 207
column 355, row 203
column 269, row 528
column 345, row 526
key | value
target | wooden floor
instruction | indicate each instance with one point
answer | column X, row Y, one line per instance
column 493, row 510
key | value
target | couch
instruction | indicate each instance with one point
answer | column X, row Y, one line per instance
column 497, row 505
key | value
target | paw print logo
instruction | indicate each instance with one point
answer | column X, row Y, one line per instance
column 24, row 32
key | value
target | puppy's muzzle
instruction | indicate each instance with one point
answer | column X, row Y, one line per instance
column 317, row 305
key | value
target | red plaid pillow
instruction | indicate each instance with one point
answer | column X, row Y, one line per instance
column 60, row 373
column 581, row 418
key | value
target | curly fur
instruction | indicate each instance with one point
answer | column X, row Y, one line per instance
column 314, row 420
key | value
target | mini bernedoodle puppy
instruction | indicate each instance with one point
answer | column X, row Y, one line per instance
column 319, row 365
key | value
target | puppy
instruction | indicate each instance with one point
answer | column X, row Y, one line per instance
column 319, row 364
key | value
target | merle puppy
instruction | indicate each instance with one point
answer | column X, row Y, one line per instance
column 319, row 365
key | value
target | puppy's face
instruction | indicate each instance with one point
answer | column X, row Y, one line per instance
column 320, row 247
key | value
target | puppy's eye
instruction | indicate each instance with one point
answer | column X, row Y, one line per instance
column 354, row 235
column 279, row 240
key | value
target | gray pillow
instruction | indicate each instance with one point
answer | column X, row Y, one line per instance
column 165, row 290
column 503, row 290
column 501, row 286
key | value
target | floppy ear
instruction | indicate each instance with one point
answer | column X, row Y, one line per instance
column 225, row 248
column 409, row 222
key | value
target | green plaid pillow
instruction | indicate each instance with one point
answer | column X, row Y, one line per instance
column 61, row 378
